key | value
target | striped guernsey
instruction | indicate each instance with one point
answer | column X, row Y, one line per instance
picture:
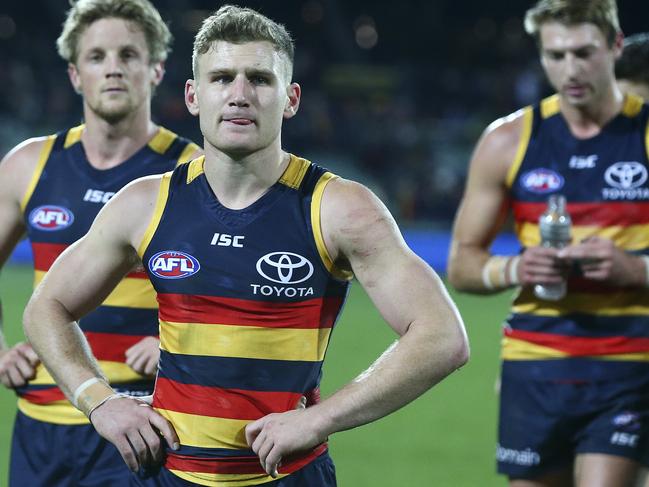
column 596, row 331
column 61, row 202
column 248, row 299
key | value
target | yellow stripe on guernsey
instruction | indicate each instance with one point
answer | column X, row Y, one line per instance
column 229, row 479
column 550, row 106
column 42, row 159
column 633, row 237
column 203, row 437
column 609, row 304
column 522, row 145
column 316, row 204
column 131, row 292
column 295, row 171
column 160, row 204
column 187, row 152
column 196, row 168
column 632, row 105
column 162, row 140
column 515, row 349
column 73, row 136
column 62, row 412
column 214, row 340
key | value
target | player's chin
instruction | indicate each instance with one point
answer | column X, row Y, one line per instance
column 114, row 113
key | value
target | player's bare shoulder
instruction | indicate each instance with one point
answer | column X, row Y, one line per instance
column 500, row 142
column 353, row 218
column 18, row 166
column 128, row 213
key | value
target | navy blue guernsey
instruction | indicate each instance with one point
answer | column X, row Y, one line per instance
column 597, row 331
column 247, row 302
column 62, row 200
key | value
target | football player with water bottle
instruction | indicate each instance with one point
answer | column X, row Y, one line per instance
column 572, row 170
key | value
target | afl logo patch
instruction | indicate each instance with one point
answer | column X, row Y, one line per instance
column 50, row 218
column 285, row 267
column 171, row 264
column 542, row 181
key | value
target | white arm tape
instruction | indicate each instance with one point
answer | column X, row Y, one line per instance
column 513, row 270
column 82, row 387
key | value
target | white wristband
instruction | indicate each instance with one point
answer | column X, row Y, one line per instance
column 494, row 272
column 91, row 394
column 486, row 280
column 82, row 387
column 513, row 270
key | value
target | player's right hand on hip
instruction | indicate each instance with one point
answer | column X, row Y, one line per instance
column 135, row 429
column 18, row 365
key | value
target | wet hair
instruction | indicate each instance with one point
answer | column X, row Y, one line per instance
column 141, row 12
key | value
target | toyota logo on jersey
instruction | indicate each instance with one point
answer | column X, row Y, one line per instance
column 50, row 218
column 626, row 175
column 171, row 264
column 284, row 267
column 542, row 181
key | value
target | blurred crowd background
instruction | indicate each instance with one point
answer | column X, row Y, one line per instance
column 395, row 93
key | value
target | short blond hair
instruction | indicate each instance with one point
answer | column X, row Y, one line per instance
column 240, row 25
column 141, row 12
column 602, row 13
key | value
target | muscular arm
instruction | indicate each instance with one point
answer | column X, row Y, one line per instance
column 361, row 234
column 482, row 212
column 17, row 363
column 483, row 208
column 407, row 293
column 79, row 281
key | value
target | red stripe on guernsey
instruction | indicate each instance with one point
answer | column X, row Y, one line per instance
column 44, row 396
column 595, row 214
column 312, row 313
column 111, row 346
column 46, row 253
column 237, row 465
column 583, row 346
column 223, row 403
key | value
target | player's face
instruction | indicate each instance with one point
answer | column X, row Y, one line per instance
column 113, row 72
column 641, row 89
column 578, row 61
column 242, row 94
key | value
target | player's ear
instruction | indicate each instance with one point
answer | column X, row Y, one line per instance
column 293, row 93
column 75, row 80
column 191, row 96
column 158, row 73
column 618, row 44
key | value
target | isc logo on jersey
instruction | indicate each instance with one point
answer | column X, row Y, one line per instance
column 542, row 181
column 171, row 264
column 50, row 218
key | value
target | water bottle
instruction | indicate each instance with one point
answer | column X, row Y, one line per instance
column 554, row 227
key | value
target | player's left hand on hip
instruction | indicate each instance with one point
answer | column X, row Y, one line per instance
column 276, row 436
column 143, row 357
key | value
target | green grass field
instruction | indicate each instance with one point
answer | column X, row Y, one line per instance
column 445, row 438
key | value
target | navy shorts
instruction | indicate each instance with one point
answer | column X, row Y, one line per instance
column 53, row 455
column 319, row 473
column 545, row 424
